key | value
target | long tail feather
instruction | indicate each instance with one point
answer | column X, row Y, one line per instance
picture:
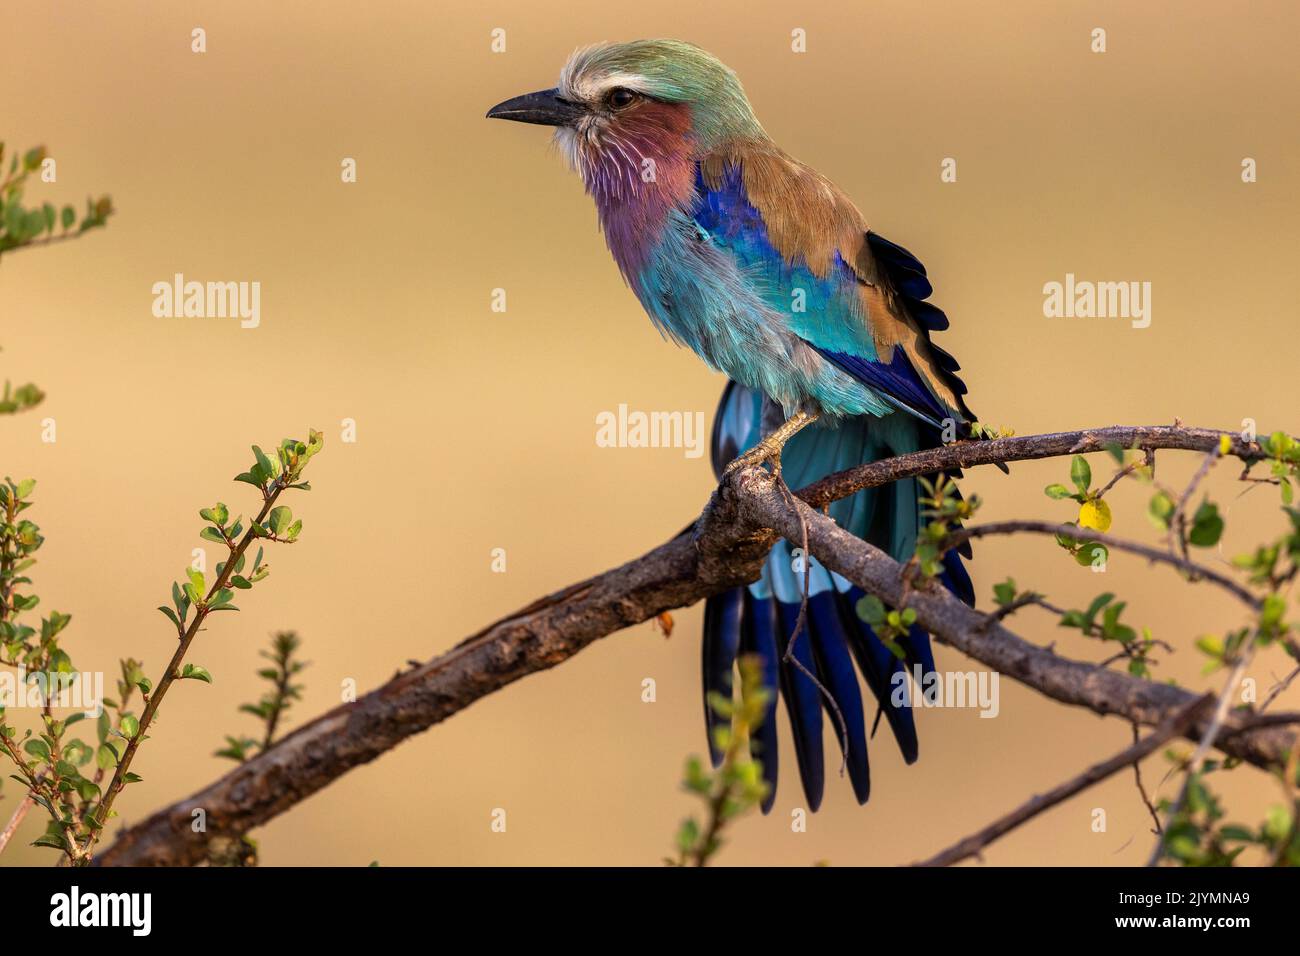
column 760, row 618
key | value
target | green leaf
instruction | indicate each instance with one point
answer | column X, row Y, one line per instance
column 87, row 789
column 217, row 514
column 264, row 463
column 181, row 601
column 1100, row 601
column 1273, row 610
column 196, row 587
column 195, row 672
column 221, row 602
column 1211, row 645
column 279, row 520
column 37, row 748
column 171, row 615
column 130, row 726
column 687, row 834
column 1278, row 444
column 1160, row 510
column 1092, row 554
column 1081, row 474
column 105, row 757
column 871, row 609
column 1235, row 832
column 1057, row 491
column 14, row 220
column 1207, row 526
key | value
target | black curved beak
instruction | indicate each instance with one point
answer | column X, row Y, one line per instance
column 544, row 108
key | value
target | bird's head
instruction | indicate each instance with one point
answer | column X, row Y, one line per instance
column 623, row 110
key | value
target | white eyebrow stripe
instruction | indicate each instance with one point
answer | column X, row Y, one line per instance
column 592, row 88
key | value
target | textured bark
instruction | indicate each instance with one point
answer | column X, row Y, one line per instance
column 1021, row 448
column 723, row 549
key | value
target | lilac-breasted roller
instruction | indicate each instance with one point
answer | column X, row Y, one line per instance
column 764, row 269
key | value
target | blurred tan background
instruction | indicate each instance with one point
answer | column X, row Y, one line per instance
column 476, row 429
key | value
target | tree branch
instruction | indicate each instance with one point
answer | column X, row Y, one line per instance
column 1155, row 555
column 1021, row 448
column 1095, row 774
column 15, row 821
column 724, row 549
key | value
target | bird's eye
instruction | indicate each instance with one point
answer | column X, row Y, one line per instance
column 620, row 99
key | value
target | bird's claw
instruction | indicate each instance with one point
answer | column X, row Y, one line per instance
column 765, row 452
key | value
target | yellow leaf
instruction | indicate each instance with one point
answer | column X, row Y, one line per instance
column 1095, row 515
column 1225, row 444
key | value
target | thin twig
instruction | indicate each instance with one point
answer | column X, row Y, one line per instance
column 788, row 657
column 45, row 242
column 172, row 673
column 1178, row 519
column 19, row 813
column 1142, row 790
column 1120, row 544
column 1207, row 739
column 1278, row 688
column 1148, row 461
column 973, row 844
column 1011, row 607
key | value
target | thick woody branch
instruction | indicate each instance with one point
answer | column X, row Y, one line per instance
column 724, row 549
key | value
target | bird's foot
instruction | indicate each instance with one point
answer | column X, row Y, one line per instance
column 767, row 451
